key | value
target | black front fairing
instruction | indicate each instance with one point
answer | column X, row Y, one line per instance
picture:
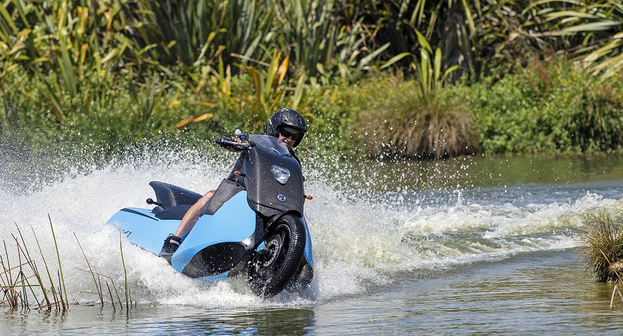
column 266, row 195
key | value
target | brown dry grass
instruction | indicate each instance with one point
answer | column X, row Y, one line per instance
column 403, row 125
column 602, row 244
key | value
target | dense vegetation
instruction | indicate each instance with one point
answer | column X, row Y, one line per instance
column 413, row 79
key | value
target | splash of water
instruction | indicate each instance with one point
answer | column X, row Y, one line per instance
column 365, row 232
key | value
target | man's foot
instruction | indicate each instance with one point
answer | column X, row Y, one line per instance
column 170, row 246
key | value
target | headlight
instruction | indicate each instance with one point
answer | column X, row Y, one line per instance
column 282, row 175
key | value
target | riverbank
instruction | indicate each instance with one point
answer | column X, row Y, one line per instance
column 549, row 108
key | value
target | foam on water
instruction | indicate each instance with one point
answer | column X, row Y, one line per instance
column 359, row 242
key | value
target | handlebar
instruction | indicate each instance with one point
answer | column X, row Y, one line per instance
column 237, row 145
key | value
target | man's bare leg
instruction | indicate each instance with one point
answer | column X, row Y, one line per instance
column 172, row 242
column 192, row 215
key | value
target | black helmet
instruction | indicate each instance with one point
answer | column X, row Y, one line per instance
column 287, row 118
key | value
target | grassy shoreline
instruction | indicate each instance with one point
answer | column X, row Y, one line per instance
column 368, row 80
column 548, row 108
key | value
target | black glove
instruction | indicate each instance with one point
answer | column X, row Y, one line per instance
column 221, row 141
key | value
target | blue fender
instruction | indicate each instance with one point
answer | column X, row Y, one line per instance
column 308, row 245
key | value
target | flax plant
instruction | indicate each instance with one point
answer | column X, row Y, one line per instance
column 195, row 32
column 271, row 89
column 319, row 46
column 598, row 25
column 53, row 41
column 457, row 20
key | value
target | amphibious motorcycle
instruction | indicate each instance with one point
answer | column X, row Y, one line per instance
column 252, row 226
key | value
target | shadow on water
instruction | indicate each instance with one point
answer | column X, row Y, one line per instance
column 262, row 322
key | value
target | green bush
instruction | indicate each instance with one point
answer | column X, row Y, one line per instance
column 108, row 113
column 548, row 107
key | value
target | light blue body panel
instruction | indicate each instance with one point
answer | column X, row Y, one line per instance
column 233, row 222
column 143, row 228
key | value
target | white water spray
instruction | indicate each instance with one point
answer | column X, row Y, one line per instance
column 361, row 237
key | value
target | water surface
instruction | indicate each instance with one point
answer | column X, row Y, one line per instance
column 475, row 245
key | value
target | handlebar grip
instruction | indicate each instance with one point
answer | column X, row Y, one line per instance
column 234, row 144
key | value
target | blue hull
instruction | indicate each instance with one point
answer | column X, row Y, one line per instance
column 217, row 246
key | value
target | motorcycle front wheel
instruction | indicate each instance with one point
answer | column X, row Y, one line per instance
column 272, row 268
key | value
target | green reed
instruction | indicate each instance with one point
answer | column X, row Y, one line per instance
column 22, row 283
column 65, row 302
column 125, row 275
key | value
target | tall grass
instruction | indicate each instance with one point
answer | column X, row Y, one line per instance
column 405, row 127
column 602, row 247
column 23, row 286
column 602, row 244
column 420, row 120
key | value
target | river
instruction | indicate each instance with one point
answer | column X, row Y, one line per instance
column 467, row 246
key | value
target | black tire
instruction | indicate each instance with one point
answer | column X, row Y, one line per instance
column 273, row 269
